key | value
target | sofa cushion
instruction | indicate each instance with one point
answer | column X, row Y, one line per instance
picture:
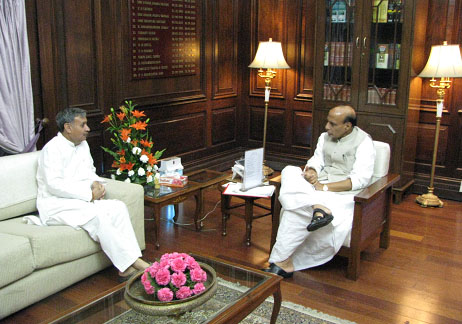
column 19, row 172
column 16, row 259
column 52, row 244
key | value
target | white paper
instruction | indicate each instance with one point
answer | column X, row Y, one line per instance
column 267, row 94
column 439, row 108
column 235, row 188
column 253, row 168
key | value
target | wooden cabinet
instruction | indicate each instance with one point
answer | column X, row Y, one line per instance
column 363, row 59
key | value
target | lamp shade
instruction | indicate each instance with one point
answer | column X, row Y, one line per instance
column 444, row 62
column 269, row 56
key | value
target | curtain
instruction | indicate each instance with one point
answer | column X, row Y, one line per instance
column 16, row 103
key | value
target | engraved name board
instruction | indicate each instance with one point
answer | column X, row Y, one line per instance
column 163, row 38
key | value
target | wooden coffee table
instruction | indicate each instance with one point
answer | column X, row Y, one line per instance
column 198, row 182
column 257, row 286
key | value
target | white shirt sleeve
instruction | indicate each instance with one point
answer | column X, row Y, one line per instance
column 316, row 162
column 363, row 167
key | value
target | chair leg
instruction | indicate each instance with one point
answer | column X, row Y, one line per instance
column 225, row 201
column 353, row 264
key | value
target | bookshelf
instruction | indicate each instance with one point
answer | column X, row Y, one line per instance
column 363, row 58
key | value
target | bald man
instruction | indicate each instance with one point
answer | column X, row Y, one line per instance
column 317, row 202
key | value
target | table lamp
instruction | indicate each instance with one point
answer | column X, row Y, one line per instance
column 270, row 57
column 444, row 62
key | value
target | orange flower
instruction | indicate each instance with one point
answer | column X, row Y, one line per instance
column 141, row 125
column 107, row 119
column 149, row 173
column 130, row 165
column 121, row 115
column 115, row 164
column 145, row 143
column 124, row 134
column 122, row 159
column 121, row 152
column 135, row 142
column 152, row 159
column 138, row 114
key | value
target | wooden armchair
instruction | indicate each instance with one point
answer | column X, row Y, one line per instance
column 371, row 212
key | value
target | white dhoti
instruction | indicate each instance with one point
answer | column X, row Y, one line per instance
column 106, row 221
column 309, row 249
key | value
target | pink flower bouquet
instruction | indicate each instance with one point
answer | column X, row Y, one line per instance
column 176, row 276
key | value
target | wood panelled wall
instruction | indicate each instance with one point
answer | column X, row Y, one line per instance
column 80, row 57
column 447, row 16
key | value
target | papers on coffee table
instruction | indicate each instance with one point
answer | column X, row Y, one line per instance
column 235, row 188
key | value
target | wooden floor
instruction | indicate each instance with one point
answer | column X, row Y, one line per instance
column 418, row 279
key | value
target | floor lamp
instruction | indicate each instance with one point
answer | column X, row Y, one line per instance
column 269, row 56
column 444, row 62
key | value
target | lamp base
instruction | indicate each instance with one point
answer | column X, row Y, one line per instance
column 429, row 200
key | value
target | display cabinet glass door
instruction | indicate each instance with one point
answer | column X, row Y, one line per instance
column 384, row 45
column 372, row 30
column 338, row 50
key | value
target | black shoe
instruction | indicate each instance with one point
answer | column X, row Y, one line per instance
column 319, row 221
column 273, row 268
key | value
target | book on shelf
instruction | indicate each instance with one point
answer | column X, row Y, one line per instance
column 381, row 61
column 380, row 11
column 383, row 96
column 339, row 12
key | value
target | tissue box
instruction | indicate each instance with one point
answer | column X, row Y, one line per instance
column 171, row 166
column 174, row 181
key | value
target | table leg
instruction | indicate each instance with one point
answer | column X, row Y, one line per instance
column 275, row 215
column 225, row 201
column 277, row 304
column 199, row 210
column 157, row 209
column 248, row 219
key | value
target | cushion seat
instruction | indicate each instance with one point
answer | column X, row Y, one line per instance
column 16, row 259
column 47, row 242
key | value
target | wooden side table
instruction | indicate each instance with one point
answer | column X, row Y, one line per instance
column 227, row 209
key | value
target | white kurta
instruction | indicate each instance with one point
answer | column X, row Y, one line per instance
column 64, row 176
column 297, row 196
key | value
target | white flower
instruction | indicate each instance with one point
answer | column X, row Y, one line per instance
column 155, row 167
column 130, row 173
column 141, row 172
column 127, row 180
column 149, row 168
column 128, row 140
column 119, row 172
column 144, row 158
column 149, row 179
column 112, row 177
column 136, row 150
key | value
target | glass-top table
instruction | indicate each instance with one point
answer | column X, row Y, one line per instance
column 253, row 287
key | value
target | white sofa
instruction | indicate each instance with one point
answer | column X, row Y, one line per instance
column 38, row 261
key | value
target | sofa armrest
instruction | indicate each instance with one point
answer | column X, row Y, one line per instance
column 133, row 196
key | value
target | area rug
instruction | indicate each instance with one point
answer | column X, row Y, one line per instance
column 289, row 313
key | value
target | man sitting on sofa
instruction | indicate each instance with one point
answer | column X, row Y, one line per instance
column 70, row 193
column 318, row 201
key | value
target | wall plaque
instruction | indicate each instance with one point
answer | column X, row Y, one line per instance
column 163, row 38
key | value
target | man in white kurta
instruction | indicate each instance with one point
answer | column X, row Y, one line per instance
column 341, row 166
column 70, row 193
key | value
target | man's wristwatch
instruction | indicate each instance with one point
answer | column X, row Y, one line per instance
column 325, row 188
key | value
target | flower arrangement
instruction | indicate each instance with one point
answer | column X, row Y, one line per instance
column 176, row 276
column 134, row 160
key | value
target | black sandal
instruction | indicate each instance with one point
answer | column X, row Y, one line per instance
column 319, row 221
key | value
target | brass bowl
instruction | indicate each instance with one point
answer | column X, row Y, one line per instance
column 137, row 298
